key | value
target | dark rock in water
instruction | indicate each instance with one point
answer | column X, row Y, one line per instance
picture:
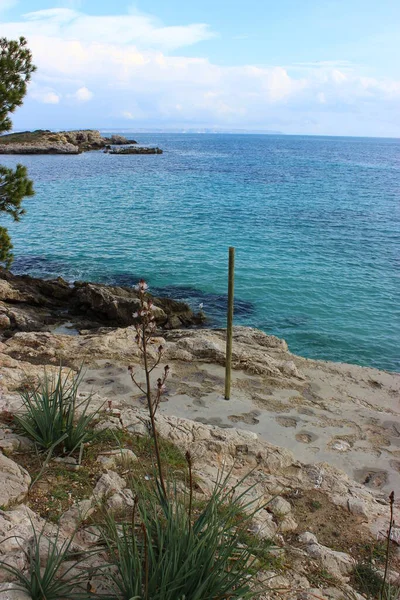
column 135, row 150
column 30, row 304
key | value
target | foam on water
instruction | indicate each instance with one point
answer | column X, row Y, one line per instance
column 315, row 223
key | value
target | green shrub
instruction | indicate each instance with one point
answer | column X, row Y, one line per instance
column 51, row 417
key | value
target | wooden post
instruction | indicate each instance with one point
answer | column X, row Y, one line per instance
column 229, row 324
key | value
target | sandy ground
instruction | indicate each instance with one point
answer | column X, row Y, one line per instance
column 342, row 414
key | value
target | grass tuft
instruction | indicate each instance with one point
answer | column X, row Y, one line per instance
column 54, row 569
column 369, row 582
column 51, row 416
column 163, row 554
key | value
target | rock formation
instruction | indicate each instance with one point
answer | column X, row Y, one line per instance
column 63, row 142
column 120, row 140
column 135, row 150
column 29, row 304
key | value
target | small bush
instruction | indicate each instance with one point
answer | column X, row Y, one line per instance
column 51, row 417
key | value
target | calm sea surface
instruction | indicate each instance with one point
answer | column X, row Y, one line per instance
column 315, row 222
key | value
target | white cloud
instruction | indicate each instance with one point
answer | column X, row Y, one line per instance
column 44, row 94
column 50, row 98
column 124, row 63
column 138, row 29
column 83, row 94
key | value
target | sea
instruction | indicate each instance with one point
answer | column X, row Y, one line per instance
column 315, row 222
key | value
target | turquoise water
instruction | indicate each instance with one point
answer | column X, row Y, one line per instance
column 315, row 222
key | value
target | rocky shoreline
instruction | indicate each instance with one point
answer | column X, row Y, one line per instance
column 343, row 414
column 30, row 304
column 69, row 142
column 322, row 439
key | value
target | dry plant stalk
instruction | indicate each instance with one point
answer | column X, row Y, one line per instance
column 145, row 329
column 189, row 461
column 389, row 533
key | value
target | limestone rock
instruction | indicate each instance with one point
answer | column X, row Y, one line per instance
column 109, row 483
column 287, row 524
column 338, row 564
column 308, row 538
column 205, row 439
column 249, row 350
column 75, row 515
column 111, row 423
column 16, row 528
column 279, row 506
column 263, row 525
column 110, row 459
column 311, row 594
column 14, row 482
column 16, row 560
column 357, row 507
column 5, row 321
column 273, row 581
column 121, row 500
column 9, row 591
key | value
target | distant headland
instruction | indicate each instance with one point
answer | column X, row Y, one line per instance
column 44, row 141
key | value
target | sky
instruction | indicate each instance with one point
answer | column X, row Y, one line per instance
column 319, row 67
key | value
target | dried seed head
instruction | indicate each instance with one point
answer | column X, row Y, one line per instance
column 141, row 286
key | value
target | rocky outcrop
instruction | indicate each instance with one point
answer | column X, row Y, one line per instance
column 29, row 304
column 120, row 140
column 63, row 142
column 50, row 147
column 251, row 351
column 135, row 150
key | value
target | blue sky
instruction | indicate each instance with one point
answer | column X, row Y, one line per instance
column 298, row 66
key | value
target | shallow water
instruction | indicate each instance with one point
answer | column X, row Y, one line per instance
column 315, row 222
